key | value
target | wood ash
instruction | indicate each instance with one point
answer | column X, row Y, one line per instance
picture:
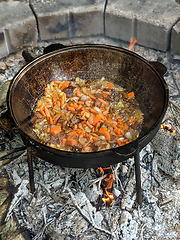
column 67, row 203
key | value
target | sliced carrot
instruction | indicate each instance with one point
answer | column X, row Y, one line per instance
column 48, row 105
column 131, row 120
column 64, row 140
column 82, row 112
column 55, row 116
column 98, row 118
column 42, row 112
column 48, row 130
column 39, row 103
column 110, row 85
column 75, row 105
column 126, row 126
column 87, row 108
column 110, row 121
column 71, row 133
column 50, row 120
column 79, row 131
column 70, row 109
column 54, row 97
column 105, row 94
column 104, row 132
column 94, row 138
column 118, row 132
column 78, row 93
column 91, row 96
column 58, row 103
column 46, row 90
column 89, row 125
column 55, row 130
column 81, row 102
column 81, row 135
column 130, row 94
column 57, row 82
column 87, row 135
column 119, row 142
column 62, row 101
column 71, row 142
column 119, row 121
column 98, row 90
column 114, row 126
column 97, row 126
column 93, row 110
column 47, row 112
column 102, row 101
column 65, row 85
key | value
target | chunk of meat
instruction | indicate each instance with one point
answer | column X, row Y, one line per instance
column 69, row 91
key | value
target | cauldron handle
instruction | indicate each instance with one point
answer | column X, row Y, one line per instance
column 159, row 67
column 50, row 48
column 138, row 178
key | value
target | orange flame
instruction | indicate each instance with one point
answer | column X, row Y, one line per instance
column 108, row 196
column 133, row 41
column 168, row 127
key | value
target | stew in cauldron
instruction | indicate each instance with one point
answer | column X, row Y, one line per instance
column 86, row 116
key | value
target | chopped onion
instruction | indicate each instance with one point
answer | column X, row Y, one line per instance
column 98, row 109
column 83, row 141
column 84, row 98
column 128, row 135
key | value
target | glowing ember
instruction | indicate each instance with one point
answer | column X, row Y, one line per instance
column 168, row 127
column 133, row 41
column 108, row 183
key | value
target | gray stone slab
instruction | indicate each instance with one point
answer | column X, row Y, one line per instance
column 64, row 19
column 18, row 27
column 175, row 39
column 149, row 21
column 86, row 23
column 3, row 47
column 118, row 26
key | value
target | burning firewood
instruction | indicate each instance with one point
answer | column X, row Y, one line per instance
column 168, row 128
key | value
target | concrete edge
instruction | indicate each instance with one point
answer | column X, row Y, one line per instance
column 85, row 21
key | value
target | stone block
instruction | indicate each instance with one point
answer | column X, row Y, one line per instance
column 54, row 26
column 53, row 19
column 63, row 19
column 175, row 39
column 149, row 21
column 118, row 26
column 152, row 36
column 18, row 27
column 86, row 23
column 154, row 26
column 3, row 46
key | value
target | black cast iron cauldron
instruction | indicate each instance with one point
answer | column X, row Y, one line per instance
column 118, row 65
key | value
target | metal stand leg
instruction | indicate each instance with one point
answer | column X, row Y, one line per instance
column 30, row 166
column 138, row 177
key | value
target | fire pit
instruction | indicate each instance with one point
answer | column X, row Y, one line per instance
column 68, row 202
column 99, row 202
